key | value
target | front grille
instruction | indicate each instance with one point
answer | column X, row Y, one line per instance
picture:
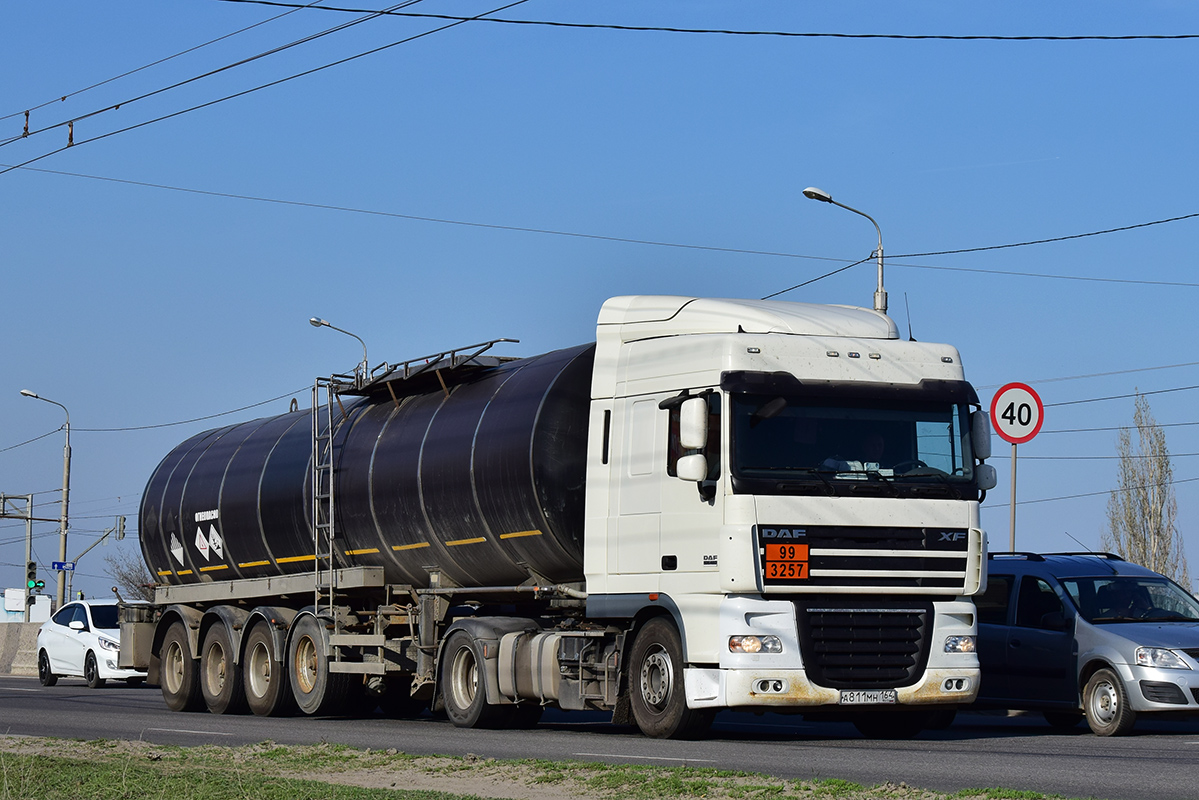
column 1161, row 692
column 860, row 644
column 1195, row 694
column 911, row 560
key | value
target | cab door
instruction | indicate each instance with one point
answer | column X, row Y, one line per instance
column 994, row 620
column 1041, row 653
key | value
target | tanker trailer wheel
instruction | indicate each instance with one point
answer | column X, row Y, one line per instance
column 220, row 677
column 464, row 685
column 657, row 694
column 318, row 691
column 180, row 675
column 264, row 677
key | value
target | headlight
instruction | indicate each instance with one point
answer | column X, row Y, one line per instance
column 1159, row 657
column 959, row 644
column 755, row 644
column 109, row 644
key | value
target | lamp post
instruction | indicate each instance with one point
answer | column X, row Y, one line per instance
column 317, row 322
column 880, row 294
column 66, row 495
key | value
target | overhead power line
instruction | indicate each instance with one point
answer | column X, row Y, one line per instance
column 1121, row 396
column 187, row 421
column 69, row 95
column 1117, row 428
column 260, row 87
column 578, row 234
column 1092, row 494
column 31, row 441
column 1099, row 374
column 239, row 63
column 735, row 32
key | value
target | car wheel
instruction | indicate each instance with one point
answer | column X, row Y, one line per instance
column 1106, row 705
column 44, row 674
column 1063, row 720
column 656, row 694
column 91, row 671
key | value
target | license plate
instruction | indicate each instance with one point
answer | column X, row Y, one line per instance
column 866, row 698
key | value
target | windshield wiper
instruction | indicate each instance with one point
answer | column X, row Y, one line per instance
column 933, row 472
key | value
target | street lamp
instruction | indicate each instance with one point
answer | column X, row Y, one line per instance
column 66, row 494
column 317, row 322
column 880, row 294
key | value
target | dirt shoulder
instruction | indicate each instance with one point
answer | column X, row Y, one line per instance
column 394, row 772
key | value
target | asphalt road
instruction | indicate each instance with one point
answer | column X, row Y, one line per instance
column 1160, row 760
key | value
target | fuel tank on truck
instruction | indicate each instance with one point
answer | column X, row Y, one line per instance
column 480, row 479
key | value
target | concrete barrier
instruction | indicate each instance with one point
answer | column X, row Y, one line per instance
column 18, row 648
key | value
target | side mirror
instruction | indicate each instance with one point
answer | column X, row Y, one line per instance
column 986, row 477
column 692, row 468
column 1055, row 621
column 75, row 625
column 980, row 435
column 693, row 423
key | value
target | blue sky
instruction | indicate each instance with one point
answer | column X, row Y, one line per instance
column 138, row 306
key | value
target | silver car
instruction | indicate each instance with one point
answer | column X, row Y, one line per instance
column 1089, row 636
column 83, row 639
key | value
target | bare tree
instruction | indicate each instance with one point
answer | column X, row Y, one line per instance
column 131, row 574
column 1141, row 513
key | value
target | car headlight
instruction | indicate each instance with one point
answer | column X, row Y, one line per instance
column 1159, row 657
column 109, row 644
column 960, row 644
column 755, row 644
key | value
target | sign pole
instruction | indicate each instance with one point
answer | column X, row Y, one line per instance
column 1012, row 516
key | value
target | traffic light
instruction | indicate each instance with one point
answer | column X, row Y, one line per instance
column 32, row 583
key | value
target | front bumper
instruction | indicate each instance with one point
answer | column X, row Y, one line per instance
column 779, row 689
column 1155, row 689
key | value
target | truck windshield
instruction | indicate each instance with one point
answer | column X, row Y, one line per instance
column 1115, row 598
column 792, row 444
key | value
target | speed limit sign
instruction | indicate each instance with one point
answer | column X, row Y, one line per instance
column 1017, row 413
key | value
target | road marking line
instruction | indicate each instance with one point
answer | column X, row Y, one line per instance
column 648, row 758
column 180, row 730
column 17, row 689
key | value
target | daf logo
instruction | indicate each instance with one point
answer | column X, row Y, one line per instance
column 784, row 533
column 952, row 536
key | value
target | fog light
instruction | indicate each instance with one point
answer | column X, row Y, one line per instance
column 955, row 685
column 959, row 644
column 755, row 644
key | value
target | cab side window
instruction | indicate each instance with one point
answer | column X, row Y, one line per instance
column 993, row 604
column 81, row 616
column 1037, row 600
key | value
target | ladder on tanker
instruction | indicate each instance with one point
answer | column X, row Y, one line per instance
column 322, row 465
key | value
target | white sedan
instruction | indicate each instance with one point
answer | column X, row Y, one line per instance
column 83, row 639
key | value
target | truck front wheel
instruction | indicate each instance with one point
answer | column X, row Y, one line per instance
column 657, row 694
column 464, row 685
column 318, row 691
column 180, row 677
column 220, row 677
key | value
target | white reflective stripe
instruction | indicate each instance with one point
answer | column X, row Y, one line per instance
column 876, row 573
column 864, row 553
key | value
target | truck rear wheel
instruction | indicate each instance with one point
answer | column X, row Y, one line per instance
column 464, row 685
column 263, row 675
column 180, row 677
column 657, row 694
column 318, row 692
column 220, row 676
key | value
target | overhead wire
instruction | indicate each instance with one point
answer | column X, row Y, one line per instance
column 1098, row 374
column 736, row 32
column 68, row 95
column 258, row 88
column 202, row 76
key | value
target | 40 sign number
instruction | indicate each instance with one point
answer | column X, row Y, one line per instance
column 1017, row 413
